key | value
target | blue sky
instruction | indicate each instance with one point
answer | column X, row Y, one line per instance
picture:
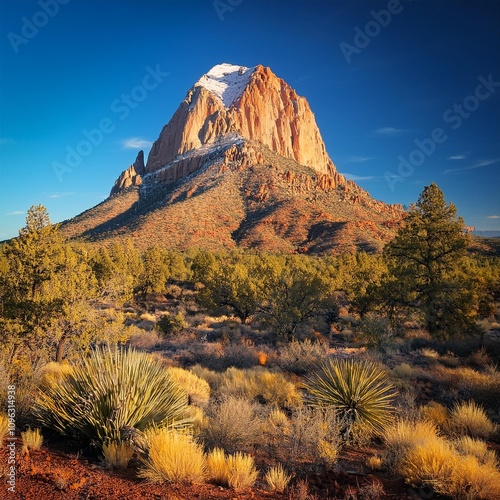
column 405, row 92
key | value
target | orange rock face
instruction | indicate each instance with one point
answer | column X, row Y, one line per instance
column 267, row 110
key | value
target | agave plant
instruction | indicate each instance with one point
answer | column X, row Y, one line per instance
column 111, row 390
column 358, row 390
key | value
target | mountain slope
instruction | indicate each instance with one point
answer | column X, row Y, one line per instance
column 240, row 163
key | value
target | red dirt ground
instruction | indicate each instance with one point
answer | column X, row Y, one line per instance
column 51, row 474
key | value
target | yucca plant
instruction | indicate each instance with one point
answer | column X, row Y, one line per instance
column 111, row 390
column 358, row 390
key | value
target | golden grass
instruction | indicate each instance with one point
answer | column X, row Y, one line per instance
column 173, row 457
column 197, row 389
column 4, row 427
column 242, row 473
column 277, row 478
column 32, row 440
column 117, row 455
column 404, row 435
column 436, row 413
column 466, row 445
column 468, row 418
column 217, row 466
column 374, row 462
column 52, row 373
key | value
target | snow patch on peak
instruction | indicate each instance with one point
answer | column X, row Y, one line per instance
column 226, row 81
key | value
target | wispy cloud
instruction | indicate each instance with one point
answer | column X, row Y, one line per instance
column 136, row 143
column 357, row 159
column 456, row 157
column 353, row 177
column 479, row 164
column 493, row 216
column 56, row 196
column 16, row 212
column 389, row 132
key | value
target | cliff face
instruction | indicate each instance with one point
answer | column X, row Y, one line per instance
column 254, row 104
column 131, row 176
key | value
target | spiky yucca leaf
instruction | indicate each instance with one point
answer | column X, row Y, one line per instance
column 358, row 390
column 112, row 389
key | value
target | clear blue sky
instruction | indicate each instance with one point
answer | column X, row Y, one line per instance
column 430, row 73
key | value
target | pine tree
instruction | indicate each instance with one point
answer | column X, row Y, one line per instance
column 424, row 259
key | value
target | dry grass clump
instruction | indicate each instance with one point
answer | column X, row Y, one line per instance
column 301, row 357
column 52, row 373
column 404, row 435
column 260, row 384
column 468, row 418
column 466, row 445
column 173, row 457
column 32, row 440
column 236, row 471
column 374, row 462
column 197, row 389
column 233, row 424
column 117, row 455
column 435, row 413
column 472, row 480
column 4, row 427
column 403, row 370
column 277, row 478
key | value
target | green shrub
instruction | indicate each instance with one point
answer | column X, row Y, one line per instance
column 170, row 325
column 358, row 390
column 109, row 391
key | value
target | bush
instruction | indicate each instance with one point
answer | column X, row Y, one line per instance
column 217, row 466
column 466, row 445
column 468, row 418
column 108, row 391
column 117, row 455
column 232, row 424
column 358, row 390
column 436, row 413
column 277, row 478
column 173, row 457
column 171, row 325
column 32, row 440
column 301, row 357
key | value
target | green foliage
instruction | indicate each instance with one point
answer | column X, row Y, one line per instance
column 108, row 391
column 358, row 390
column 155, row 271
column 171, row 324
column 424, row 257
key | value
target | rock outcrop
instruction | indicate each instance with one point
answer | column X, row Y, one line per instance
column 131, row 176
column 251, row 102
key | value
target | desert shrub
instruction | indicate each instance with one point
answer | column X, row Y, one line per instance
column 197, row 389
column 241, row 471
column 403, row 435
column 260, row 384
column 467, row 418
column 375, row 330
column 301, row 357
column 51, row 374
column 32, row 439
column 171, row 324
column 430, row 464
column 173, row 457
column 4, row 427
column 374, row 462
column 233, row 424
column 117, row 454
column 277, row 478
column 110, row 390
column 436, row 413
column 472, row 480
column 404, row 370
column 144, row 340
column 217, row 469
column 210, row 376
column 466, row 445
column 309, row 435
column 358, row 390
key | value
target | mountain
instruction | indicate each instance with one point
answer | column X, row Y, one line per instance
column 240, row 163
